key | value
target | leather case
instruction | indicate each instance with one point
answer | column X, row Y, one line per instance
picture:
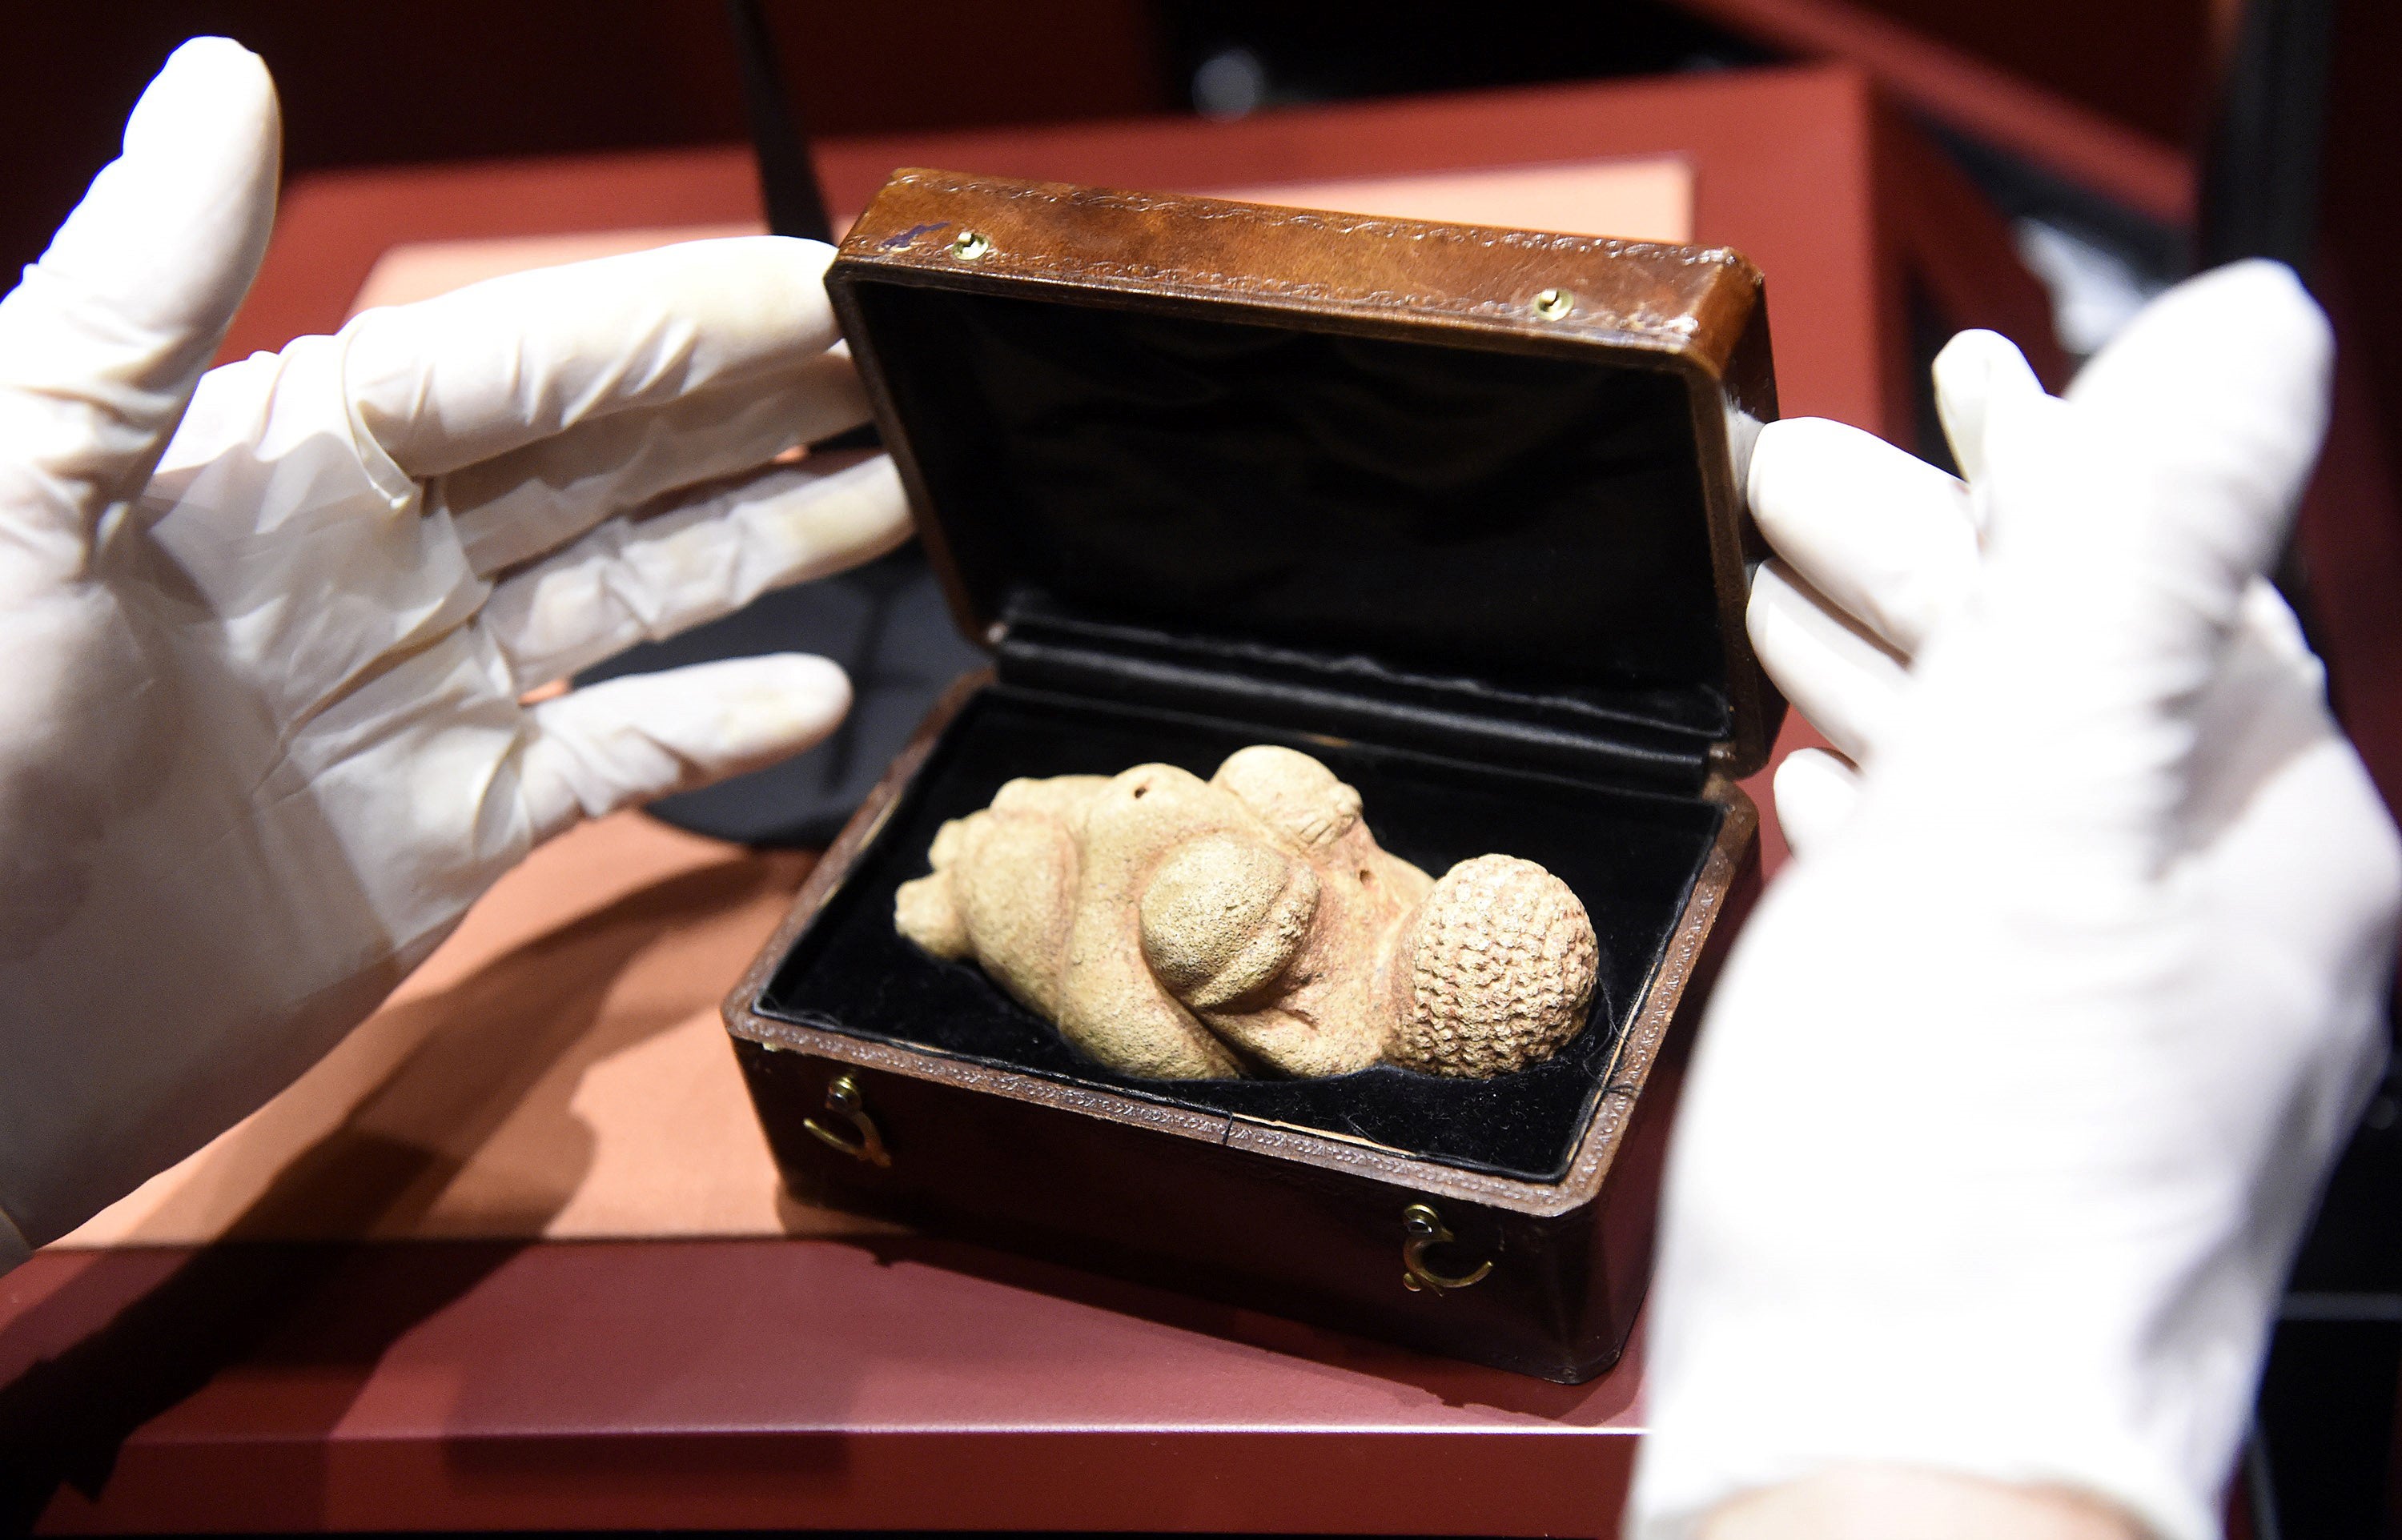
column 1455, row 510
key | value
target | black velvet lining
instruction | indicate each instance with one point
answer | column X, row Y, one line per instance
column 1631, row 856
column 1532, row 520
column 1649, row 739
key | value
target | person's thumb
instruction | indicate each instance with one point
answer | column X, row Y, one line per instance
column 2128, row 519
column 2216, row 397
column 2125, row 524
column 102, row 341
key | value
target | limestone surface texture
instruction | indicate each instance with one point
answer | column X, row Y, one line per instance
column 1251, row 925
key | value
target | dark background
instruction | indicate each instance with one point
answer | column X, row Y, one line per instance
column 449, row 79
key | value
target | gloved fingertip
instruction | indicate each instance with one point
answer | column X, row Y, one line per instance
column 213, row 100
column 1974, row 369
column 108, row 333
column 1978, row 360
column 1794, row 449
column 217, row 69
column 484, row 370
column 179, row 219
column 783, row 270
column 172, row 229
column 2242, row 308
column 642, row 736
column 1772, row 586
column 1817, row 793
column 799, row 252
column 2242, row 350
column 782, row 701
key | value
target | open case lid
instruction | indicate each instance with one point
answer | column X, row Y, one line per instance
column 1476, row 461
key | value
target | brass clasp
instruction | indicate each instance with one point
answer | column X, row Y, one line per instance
column 1425, row 1228
column 844, row 1100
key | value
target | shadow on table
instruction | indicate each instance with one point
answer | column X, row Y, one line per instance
column 144, row 1330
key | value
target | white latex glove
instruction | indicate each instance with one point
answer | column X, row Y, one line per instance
column 2010, row 1107
column 260, row 738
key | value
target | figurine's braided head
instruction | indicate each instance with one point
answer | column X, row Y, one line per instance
column 1494, row 973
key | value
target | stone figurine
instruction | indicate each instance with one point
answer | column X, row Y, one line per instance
column 1251, row 925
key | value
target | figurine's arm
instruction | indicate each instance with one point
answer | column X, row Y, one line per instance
column 927, row 910
column 1003, row 891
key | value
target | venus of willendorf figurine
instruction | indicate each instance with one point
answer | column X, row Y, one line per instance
column 1249, row 924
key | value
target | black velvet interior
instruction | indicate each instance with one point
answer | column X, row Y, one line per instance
column 1646, row 738
column 1535, row 519
column 1630, row 855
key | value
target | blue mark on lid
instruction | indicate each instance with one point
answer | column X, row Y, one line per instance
column 913, row 232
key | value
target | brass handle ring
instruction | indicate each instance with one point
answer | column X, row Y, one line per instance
column 1425, row 1228
column 844, row 1100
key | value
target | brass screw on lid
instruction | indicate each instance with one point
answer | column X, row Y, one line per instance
column 970, row 246
column 1551, row 304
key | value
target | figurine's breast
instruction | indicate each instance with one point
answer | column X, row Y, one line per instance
column 1222, row 917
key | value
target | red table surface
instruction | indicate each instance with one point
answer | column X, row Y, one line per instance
column 903, row 1382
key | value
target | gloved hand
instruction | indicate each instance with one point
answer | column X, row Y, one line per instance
column 2019, row 1088
column 260, row 738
